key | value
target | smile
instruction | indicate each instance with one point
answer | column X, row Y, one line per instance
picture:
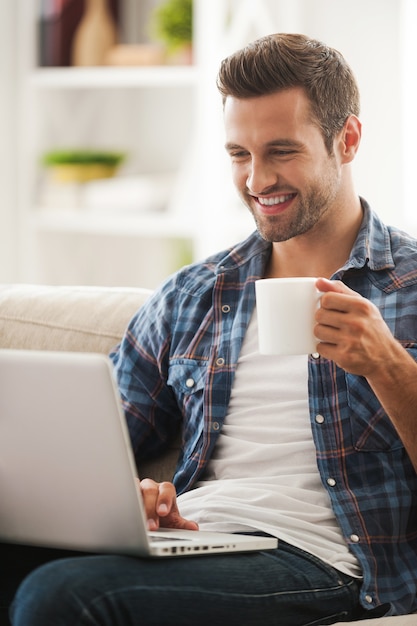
column 275, row 200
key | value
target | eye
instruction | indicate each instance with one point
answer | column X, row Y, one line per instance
column 283, row 153
column 238, row 155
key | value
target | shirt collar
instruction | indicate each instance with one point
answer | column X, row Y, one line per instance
column 254, row 250
column 372, row 247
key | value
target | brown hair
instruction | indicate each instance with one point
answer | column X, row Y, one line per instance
column 282, row 61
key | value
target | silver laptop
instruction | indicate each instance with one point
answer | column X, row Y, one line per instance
column 67, row 473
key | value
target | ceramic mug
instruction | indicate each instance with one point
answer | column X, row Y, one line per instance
column 285, row 310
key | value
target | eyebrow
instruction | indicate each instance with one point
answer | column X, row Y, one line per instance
column 275, row 143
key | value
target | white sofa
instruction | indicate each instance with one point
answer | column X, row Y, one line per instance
column 88, row 319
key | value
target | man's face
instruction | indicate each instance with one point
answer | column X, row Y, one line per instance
column 280, row 165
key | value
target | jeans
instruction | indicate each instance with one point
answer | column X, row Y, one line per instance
column 285, row 586
column 16, row 562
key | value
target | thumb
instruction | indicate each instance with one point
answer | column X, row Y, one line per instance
column 324, row 285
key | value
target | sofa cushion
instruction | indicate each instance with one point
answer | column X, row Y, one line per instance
column 84, row 319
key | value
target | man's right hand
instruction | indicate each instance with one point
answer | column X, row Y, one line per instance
column 160, row 500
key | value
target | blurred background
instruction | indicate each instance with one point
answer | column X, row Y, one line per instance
column 112, row 168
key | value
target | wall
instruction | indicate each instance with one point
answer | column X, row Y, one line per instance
column 367, row 32
column 408, row 122
column 8, row 158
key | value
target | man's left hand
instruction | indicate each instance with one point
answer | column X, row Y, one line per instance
column 351, row 330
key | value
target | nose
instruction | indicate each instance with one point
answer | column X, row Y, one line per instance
column 260, row 178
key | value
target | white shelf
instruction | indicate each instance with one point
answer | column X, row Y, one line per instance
column 109, row 77
column 84, row 221
column 159, row 124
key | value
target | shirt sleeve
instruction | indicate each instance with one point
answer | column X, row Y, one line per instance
column 141, row 371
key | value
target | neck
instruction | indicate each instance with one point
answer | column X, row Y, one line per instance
column 322, row 250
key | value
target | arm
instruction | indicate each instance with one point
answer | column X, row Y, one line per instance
column 140, row 368
column 353, row 334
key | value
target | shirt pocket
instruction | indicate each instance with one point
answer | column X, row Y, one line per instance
column 371, row 428
column 187, row 378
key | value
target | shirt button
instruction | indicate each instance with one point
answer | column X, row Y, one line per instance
column 315, row 355
column 190, row 382
column 226, row 308
column 216, row 426
column 331, row 482
column 354, row 538
column 319, row 419
column 368, row 599
column 220, row 361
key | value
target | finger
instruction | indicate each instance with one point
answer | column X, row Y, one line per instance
column 356, row 315
column 189, row 524
column 336, row 296
column 149, row 489
column 329, row 320
column 166, row 499
column 324, row 285
column 175, row 520
column 167, row 509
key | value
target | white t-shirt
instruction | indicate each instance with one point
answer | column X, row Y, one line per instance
column 263, row 474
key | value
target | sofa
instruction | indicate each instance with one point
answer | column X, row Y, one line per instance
column 89, row 319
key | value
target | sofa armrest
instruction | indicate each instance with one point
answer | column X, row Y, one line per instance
column 80, row 319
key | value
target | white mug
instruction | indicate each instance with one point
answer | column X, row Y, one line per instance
column 285, row 309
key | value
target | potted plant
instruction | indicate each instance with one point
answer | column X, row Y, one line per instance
column 172, row 24
column 81, row 166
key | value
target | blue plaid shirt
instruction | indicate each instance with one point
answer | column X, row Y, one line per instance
column 175, row 368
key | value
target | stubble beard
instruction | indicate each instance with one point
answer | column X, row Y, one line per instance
column 305, row 216
column 280, row 228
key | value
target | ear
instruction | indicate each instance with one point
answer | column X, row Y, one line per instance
column 350, row 138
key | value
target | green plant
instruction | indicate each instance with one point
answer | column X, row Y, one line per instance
column 172, row 23
column 82, row 157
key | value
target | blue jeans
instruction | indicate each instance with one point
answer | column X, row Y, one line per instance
column 286, row 586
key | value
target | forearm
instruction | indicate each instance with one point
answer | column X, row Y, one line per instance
column 354, row 335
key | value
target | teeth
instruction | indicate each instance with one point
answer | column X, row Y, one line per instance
column 272, row 201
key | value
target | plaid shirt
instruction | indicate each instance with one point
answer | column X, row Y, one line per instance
column 176, row 364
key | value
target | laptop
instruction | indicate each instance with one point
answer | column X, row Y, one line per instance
column 67, row 472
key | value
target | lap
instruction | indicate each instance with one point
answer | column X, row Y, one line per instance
column 236, row 589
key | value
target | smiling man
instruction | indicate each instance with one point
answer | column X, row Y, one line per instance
column 320, row 450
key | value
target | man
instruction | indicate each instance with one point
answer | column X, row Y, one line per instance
column 320, row 451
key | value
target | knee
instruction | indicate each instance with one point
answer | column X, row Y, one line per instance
column 49, row 596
